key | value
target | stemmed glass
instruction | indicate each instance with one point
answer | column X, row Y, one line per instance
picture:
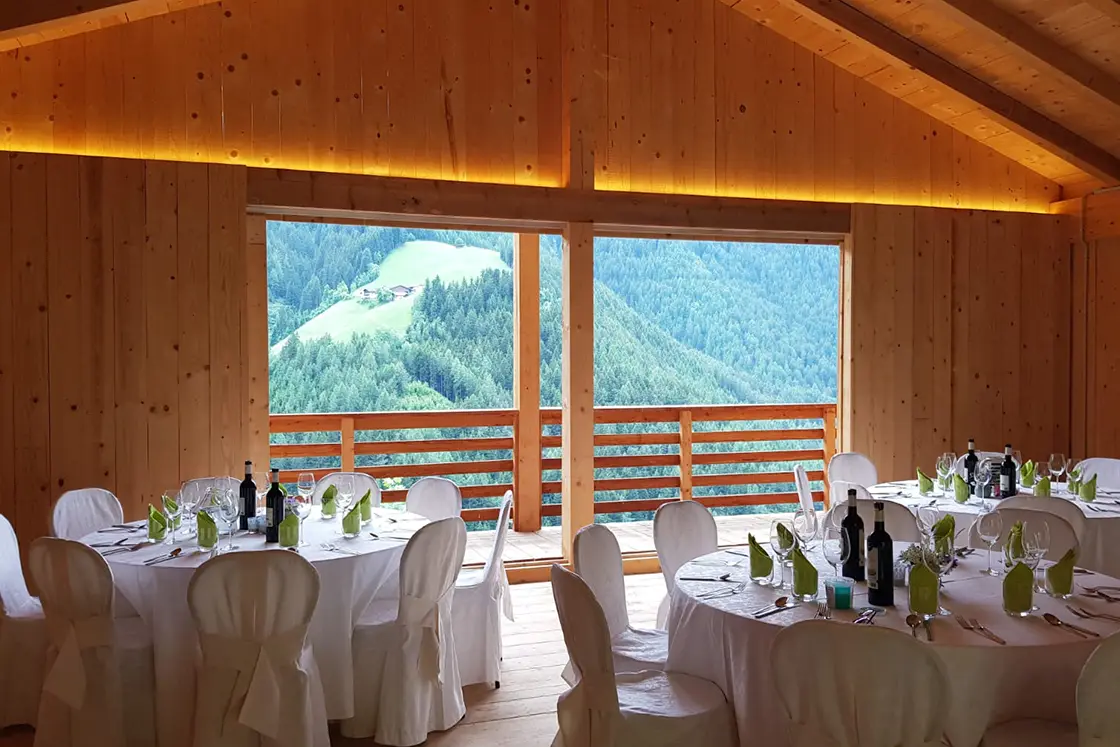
column 945, row 562
column 190, row 501
column 1036, row 543
column 172, row 509
column 300, row 505
column 1057, row 467
column 944, row 466
column 345, row 495
column 229, row 511
column 263, row 481
column 805, row 527
column 990, row 526
column 982, row 475
column 927, row 517
column 1041, row 470
column 835, row 546
column 783, row 553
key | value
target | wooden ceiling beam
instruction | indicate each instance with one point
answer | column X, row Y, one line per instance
column 27, row 22
column 1110, row 8
column 858, row 28
column 1045, row 54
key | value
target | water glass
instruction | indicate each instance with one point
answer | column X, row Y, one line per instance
column 1041, row 470
column 783, row 553
column 927, row 516
column 263, row 481
column 990, row 526
column 835, row 546
column 345, row 495
column 983, row 476
column 172, row 509
column 229, row 511
column 1057, row 467
column 944, row 467
column 1036, row 544
column 805, row 528
column 300, row 505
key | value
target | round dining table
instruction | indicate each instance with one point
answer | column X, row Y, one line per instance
column 1100, row 544
column 1034, row 674
column 352, row 573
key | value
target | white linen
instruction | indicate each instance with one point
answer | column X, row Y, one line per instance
column 92, row 658
column 406, row 675
column 362, row 483
column 79, row 512
column 640, row 709
column 1098, row 692
column 1034, row 675
column 257, row 675
column 597, row 559
column 23, row 637
column 851, row 466
column 482, row 596
column 899, row 519
column 351, row 576
column 682, row 531
column 1100, row 541
column 859, row 686
column 434, row 498
column 1107, row 471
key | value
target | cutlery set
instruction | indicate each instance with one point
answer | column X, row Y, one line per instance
column 975, row 626
column 824, row 612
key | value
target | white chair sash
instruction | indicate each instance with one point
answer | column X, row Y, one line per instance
column 503, row 592
column 255, row 700
column 416, row 612
column 67, row 677
column 588, row 715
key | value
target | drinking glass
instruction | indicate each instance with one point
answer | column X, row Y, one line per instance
column 172, row 509
column 805, row 528
column 1017, row 457
column 1041, row 470
column 927, row 517
column 982, row 475
column 263, row 481
column 945, row 562
column 345, row 494
column 229, row 511
column 300, row 505
column 190, row 501
column 835, row 546
column 944, row 466
column 782, row 552
column 990, row 526
column 1036, row 543
column 1057, row 467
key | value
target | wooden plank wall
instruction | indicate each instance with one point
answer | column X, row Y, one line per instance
column 959, row 327
column 698, row 99
column 122, row 306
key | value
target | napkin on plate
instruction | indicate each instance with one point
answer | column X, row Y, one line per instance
column 289, row 531
column 157, row 523
column 1018, row 589
column 761, row 562
column 925, row 483
column 1042, row 488
column 366, row 504
column 1087, row 491
column 944, row 531
column 960, row 489
column 923, row 590
column 804, row 574
column 785, row 537
column 352, row 521
column 1026, row 473
column 207, row 530
column 1059, row 577
column 329, row 495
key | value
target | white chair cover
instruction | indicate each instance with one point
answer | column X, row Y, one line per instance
column 482, row 596
column 1065, row 509
column 1106, row 470
column 804, row 490
column 597, row 559
column 406, row 674
column 434, row 498
column 851, row 466
column 258, row 683
column 23, row 637
column 90, row 660
column 1098, row 692
column 641, row 709
column 901, row 523
column 362, row 483
column 1062, row 536
column 79, row 512
column 859, row 686
column 682, row 531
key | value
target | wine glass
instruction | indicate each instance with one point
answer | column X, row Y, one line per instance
column 263, row 481
column 1036, row 543
column 306, row 483
column 927, row 516
column 983, row 475
column 781, row 550
column 945, row 563
column 805, row 527
column 229, row 512
column 190, row 500
column 345, row 494
column 944, row 467
column 990, row 526
column 1057, row 467
column 300, row 505
column 172, row 509
column 1017, row 457
column 835, row 546
column 1041, row 470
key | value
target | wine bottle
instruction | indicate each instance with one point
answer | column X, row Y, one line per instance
column 274, row 509
column 880, row 563
column 1008, row 474
column 852, row 527
column 248, row 493
column 970, row 462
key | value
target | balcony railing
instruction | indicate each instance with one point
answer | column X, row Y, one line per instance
column 686, row 449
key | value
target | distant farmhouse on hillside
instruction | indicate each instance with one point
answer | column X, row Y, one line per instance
column 398, row 291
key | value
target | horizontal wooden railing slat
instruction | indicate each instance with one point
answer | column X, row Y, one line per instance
column 757, row 457
column 790, row 434
column 433, row 445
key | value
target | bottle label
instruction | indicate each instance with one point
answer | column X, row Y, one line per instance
column 873, row 568
column 269, row 523
column 1004, row 484
column 862, row 550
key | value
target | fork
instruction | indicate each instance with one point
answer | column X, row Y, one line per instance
column 964, row 623
column 821, row 607
column 335, row 548
column 985, row 632
column 1085, row 614
column 724, row 592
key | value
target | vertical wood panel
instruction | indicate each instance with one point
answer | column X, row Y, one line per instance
column 7, row 348
column 254, row 343
column 194, row 315
column 578, row 382
column 527, row 381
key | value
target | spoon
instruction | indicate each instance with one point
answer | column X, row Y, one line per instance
column 169, row 556
column 1059, row 623
column 914, row 623
column 779, row 604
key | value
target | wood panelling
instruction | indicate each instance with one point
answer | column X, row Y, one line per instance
column 959, row 328
column 698, row 98
column 123, row 293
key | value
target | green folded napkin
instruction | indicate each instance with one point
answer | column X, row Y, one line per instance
column 157, row 523
column 944, row 531
column 1059, row 577
column 173, row 507
column 1026, row 473
column 1087, row 491
column 1018, row 589
column 207, row 530
column 329, row 496
column 1013, row 551
column 761, row 562
column 785, row 537
column 1074, row 481
column 366, row 504
column 804, row 574
column 960, row 489
column 289, row 531
column 1042, row 488
column 925, row 484
column 923, row 590
column 352, row 521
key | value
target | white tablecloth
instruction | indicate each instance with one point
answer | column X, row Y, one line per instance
column 348, row 582
column 1100, row 546
column 1035, row 675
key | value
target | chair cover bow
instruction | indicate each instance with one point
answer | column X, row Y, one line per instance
column 255, row 701
column 588, row 714
column 67, row 678
column 417, row 612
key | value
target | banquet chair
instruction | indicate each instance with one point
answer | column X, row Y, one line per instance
column 81, row 512
column 434, row 498
column 93, row 659
column 901, row 523
column 851, row 466
column 1068, row 510
column 482, row 596
column 682, row 531
column 804, row 490
column 597, row 559
column 23, row 637
column 1106, row 470
column 406, row 674
column 638, row 709
column 258, row 683
column 362, row 483
column 1062, row 535
column 832, row 696
column 958, row 466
